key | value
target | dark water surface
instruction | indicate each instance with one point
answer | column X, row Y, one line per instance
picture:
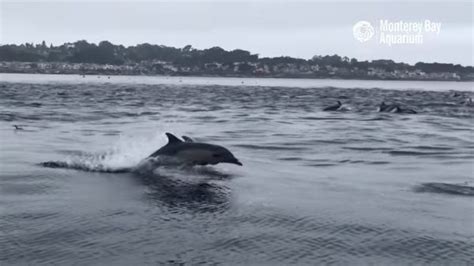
column 356, row 187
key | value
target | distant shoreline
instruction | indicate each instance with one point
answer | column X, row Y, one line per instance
column 104, row 72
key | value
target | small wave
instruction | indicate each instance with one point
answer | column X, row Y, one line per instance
column 416, row 153
column 323, row 118
column 363, row 162
column 137, row 114
column 366, row 148
column 376, row 119
column 70, row 152
column 7, row 117
column 321, row 164
column 261, row 147
column 433, row 148
column 454, row 189
column 206, row 117
column 290, row 158
column 20, row 188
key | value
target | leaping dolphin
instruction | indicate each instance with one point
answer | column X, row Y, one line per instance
column 194, row 153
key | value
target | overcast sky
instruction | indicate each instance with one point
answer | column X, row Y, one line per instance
column 269, row 28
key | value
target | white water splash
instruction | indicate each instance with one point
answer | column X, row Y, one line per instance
column 126, row 153
column 129, row 152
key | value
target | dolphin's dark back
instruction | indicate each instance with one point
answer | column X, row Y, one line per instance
column 176, row 145
column 173, row 148
column 333, row 107
column 388, row 107
column 195, row 153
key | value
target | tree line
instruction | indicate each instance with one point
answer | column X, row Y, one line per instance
column 108, row 53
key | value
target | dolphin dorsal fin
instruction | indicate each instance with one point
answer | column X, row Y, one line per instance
column 187, row 139
column 172, row 138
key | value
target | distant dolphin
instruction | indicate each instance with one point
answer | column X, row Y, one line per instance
column 467, row 102
column 194, row 153
column 333, row 107
column 457, row 189
column 388, row 108
column 187, row 139
column 394, row 108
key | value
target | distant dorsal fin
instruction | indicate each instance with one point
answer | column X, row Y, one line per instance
column 172, row 138
column 187, row 139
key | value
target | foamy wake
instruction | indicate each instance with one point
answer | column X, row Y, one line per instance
column 124, row 156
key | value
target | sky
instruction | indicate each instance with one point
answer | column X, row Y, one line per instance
column 269, row 28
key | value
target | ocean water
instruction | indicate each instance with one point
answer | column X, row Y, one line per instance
column 348, row 188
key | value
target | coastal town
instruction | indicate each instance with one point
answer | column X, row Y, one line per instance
column 282, row 70
column 85, row 58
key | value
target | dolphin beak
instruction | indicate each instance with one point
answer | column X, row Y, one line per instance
column 235, row 161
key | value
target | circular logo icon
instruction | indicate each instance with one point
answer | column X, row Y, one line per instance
column 363, row 31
